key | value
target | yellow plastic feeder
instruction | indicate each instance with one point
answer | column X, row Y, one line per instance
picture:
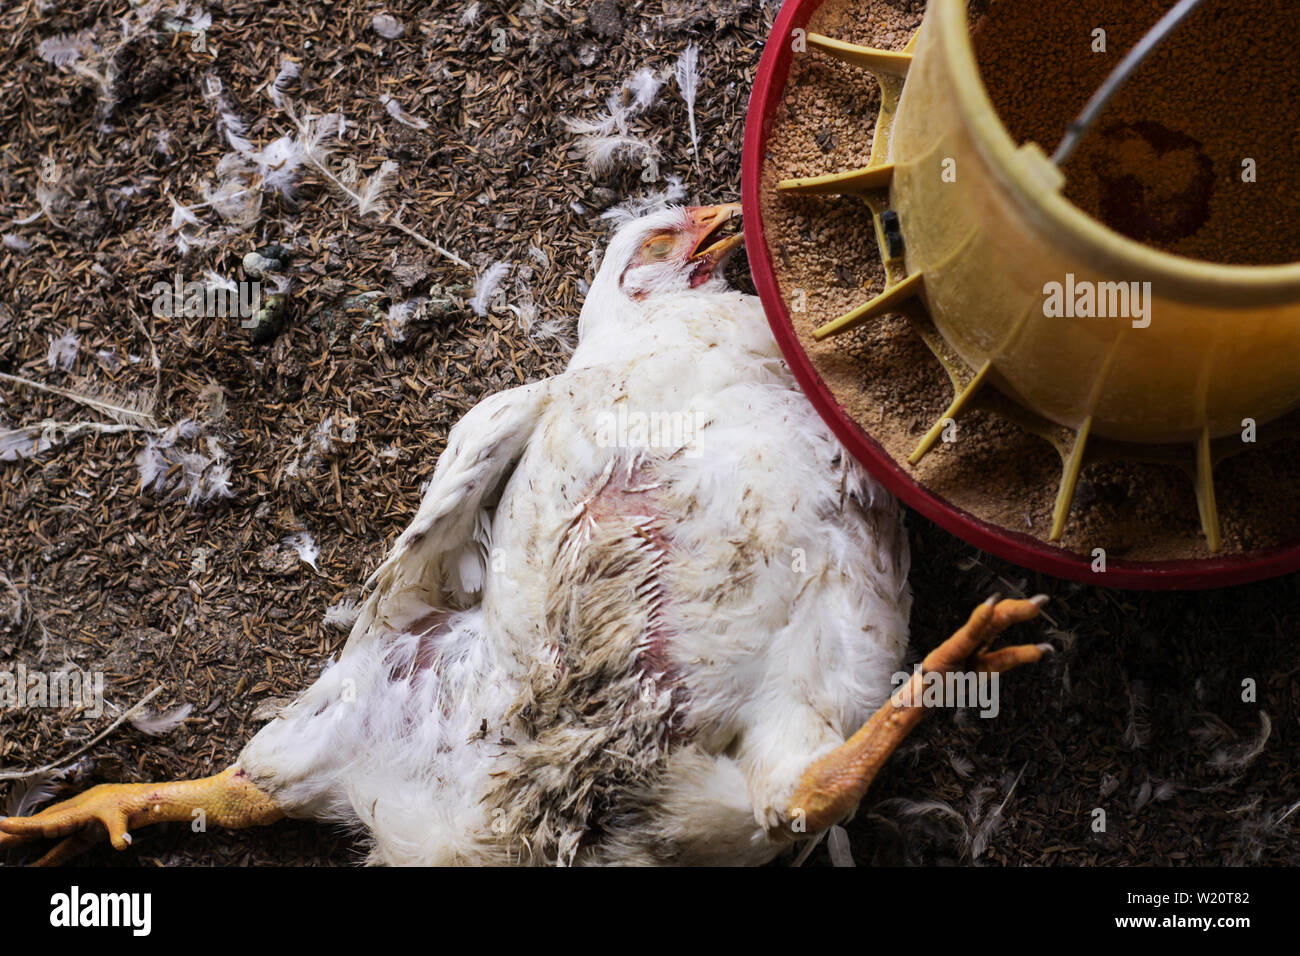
column 1083, row 327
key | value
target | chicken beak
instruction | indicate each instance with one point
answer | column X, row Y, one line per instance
column 706, row 221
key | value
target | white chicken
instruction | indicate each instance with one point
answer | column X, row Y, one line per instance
column 641, row 608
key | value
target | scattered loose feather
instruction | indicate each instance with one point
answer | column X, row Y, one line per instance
column 289, row 72
column 342, row 615
column 395, row 110
column 277, row 164
column 963, row 766
column 688, row 81
column 399, row 316
column 387, row 26
column 153, row 461
column 26, row 795
column 11, row 608
column 991, row 823
column 154, row 724
column 1234, row 754
column 25, row 442
column 1138, row 731
column 28, row 441
column 67, row 48
column 68, row 758
column 644, row 86
column 602, row 154
column 486, row 285
column 837, row 842
column 606, row 142
column 63, row 351
column 200, row 478
column 313, row 132
column 370, row 194
column 638, row 206
column 305, row 545
column 135, row 409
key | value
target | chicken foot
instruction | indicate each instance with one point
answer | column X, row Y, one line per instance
column 228, row 799
column 831, row 787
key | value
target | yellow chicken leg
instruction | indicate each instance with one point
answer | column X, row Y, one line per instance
column 834, row 784
column 228, row 800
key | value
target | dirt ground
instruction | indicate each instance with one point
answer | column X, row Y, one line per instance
column 329, row 428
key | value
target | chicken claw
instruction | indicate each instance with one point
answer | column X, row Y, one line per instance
column 834, row 784
column 228, row 799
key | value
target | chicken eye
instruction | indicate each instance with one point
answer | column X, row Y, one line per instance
column 658, row 248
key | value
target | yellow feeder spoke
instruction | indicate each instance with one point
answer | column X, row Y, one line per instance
column 887, row 301
column 839, row 184
column 887, row 62
column 1069, row 479
column 950, row 414
column 1205, row 502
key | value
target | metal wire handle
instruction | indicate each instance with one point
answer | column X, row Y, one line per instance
column 1106, row 92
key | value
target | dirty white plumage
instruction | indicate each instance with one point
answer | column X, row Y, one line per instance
column 587, row 650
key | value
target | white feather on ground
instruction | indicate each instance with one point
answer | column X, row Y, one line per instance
column 607, row 142
column 66, row 48
column 396, row 111
column 638, row 206
column 277, row 164
column 198, row 477
column 24, row 442
column 229, row 123
column 399, row 316
column 644, row 86
column 342, row 615
column 26, row 795
column 305, row 545
column 370, row 194
column 604, row 153
column 837, row 843
column 161, row 722
column 687, row 74
column 289, row 71
column 213, row 280
column 387, row 26
column 11, row 605
column 992, row 822
column 63, row 351
column 1232, row 754
column 153, row 462
column 486, row 285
